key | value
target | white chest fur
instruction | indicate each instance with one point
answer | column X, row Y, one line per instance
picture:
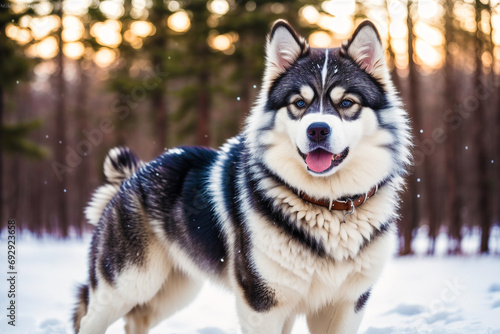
column 352, row 261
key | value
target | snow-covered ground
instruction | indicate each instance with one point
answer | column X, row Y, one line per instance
column 415, row 295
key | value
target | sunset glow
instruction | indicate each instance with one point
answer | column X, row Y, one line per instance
column 179, row 22
column 142, row 28
column 339, row 7
column 73, row 29
column 221, row 42
column 132, row 39
column 224, row 42
column 42, row 26
column 112, row 9
column 310, row 14
column 427, row 54
column 107, row 33
column 74, row 50
column 334, row 18
column 320, row 39
column 48, row 48
column 104, row 57
column 219, row 7
column 21, row 36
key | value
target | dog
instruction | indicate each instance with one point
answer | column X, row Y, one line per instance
column 295, row 215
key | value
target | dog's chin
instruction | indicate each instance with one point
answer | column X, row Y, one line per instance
column 321, row 162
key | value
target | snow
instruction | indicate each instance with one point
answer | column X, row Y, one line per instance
column 414, row 295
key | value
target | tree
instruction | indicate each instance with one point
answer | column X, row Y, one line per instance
column 481, row 138
column 453, row 180
column 14, row 67
column 410, row 204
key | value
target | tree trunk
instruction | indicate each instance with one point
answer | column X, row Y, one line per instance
column 160, row 120
column 159, row 97
column 410, row 203
column 496, row 162
column 2, row 203
column 481, row 138
column 430, row 201
column 1, row 155
column 203, row 110
column 390, row 51
column 60, row 140
column 82, row 181
column 203, row 125
column 453, row 167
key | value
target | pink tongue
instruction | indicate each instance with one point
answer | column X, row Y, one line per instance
column 319, row 160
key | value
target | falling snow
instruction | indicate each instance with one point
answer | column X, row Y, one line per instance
column 421, row 131
column 254, row 86
column 418, row 195
column 238, row 98
column 64, row 190
column 418, row 180
column 47, row 136
column 466, row 147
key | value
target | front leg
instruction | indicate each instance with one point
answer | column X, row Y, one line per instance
column 342, row 317
column 255, row 322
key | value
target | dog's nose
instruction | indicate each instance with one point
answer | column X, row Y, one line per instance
column 318, row 131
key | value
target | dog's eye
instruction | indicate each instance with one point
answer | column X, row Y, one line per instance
column 346, row 103
column 300, row 104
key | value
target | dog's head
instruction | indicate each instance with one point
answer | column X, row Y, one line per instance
column 329, row 114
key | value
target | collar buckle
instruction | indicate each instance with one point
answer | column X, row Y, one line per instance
column 351, row 211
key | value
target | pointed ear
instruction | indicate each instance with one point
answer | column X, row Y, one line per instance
column 284, row 47
column 365, row 48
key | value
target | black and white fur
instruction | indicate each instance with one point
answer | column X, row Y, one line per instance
column 234, row 215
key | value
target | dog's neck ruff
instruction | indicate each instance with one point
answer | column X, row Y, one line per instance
column 346, row 205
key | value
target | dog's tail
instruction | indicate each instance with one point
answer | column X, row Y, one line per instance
column 81, row 306
column 120, row 164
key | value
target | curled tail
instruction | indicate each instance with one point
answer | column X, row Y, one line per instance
column 81, row 306
column 120, row 164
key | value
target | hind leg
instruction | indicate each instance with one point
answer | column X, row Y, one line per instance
column 177, row 291
column 106, row 306
column 288, row 326
column 133, row 286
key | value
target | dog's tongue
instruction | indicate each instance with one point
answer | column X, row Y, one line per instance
column 319, row 160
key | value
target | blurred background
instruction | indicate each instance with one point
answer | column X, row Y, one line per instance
column 78, row 77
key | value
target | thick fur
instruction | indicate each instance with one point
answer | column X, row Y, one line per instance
column 235, row 215
column 120, row 164
column 81, row 306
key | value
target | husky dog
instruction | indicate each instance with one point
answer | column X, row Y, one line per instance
column 296, row 215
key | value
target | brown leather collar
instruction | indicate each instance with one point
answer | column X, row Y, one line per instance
column 348, row 205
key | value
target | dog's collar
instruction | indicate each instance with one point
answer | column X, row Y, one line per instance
column 347, row 205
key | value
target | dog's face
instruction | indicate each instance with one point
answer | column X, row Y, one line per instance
column 326, row 110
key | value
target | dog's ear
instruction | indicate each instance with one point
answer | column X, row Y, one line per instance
column 365, row 48
column 284, row 47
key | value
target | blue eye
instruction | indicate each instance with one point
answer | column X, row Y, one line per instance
column 346, row 103
column 300, row 104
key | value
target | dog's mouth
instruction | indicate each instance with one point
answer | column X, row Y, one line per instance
column 322, row 161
